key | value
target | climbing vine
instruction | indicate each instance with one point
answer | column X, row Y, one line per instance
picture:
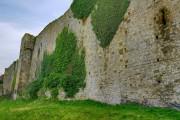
column 106, row 16
column 106, row 19
column 82, row 8
column 65, row 68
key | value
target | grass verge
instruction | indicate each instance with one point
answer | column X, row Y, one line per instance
column 80, row 110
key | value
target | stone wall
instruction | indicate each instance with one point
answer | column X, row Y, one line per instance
column 25, row 58
column 46, row 42
column 141, row 64
column 10, row 78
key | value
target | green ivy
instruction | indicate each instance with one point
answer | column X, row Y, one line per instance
column 73, row 82
column 34, row 87
column 82, row 8
column 106, row 19
column 54, row 92
column 64, row 68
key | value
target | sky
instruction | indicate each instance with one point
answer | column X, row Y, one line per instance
column 18, row 17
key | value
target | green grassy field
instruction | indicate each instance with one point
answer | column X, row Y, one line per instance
column 80, row 110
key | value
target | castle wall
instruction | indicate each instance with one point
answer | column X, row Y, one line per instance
column 140, row 65
column 25, row 59
column 9, row 78
column 45, row 43
column 142, row 62
column 133, row 67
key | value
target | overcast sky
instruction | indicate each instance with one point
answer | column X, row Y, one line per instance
column 24, row 16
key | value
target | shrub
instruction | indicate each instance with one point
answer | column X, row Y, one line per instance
column 33, row 89
column 54, row 80
column 54, row 92
column 106, row 19
column 70, row 86
column 82, row 8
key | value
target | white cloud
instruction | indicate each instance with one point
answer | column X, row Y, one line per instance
column 10, row 43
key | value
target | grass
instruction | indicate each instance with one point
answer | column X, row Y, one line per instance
column 80, row 110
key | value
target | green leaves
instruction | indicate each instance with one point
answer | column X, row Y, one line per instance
column 65, row 47
column 75, row 81
column 107, row 18
column 64, row 68
column 34, row 87
column 82, row 8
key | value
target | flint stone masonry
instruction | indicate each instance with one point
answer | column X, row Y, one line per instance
column 140, row 65
column 9, row 78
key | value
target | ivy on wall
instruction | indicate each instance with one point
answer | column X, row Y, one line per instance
column 106, row 19
column 106, row 16
column 65, row 68
column 82, row 8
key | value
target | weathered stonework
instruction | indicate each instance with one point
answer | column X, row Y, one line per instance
column 140, row 65
column 46, row 42
column 9, row 79
column 27, row 47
